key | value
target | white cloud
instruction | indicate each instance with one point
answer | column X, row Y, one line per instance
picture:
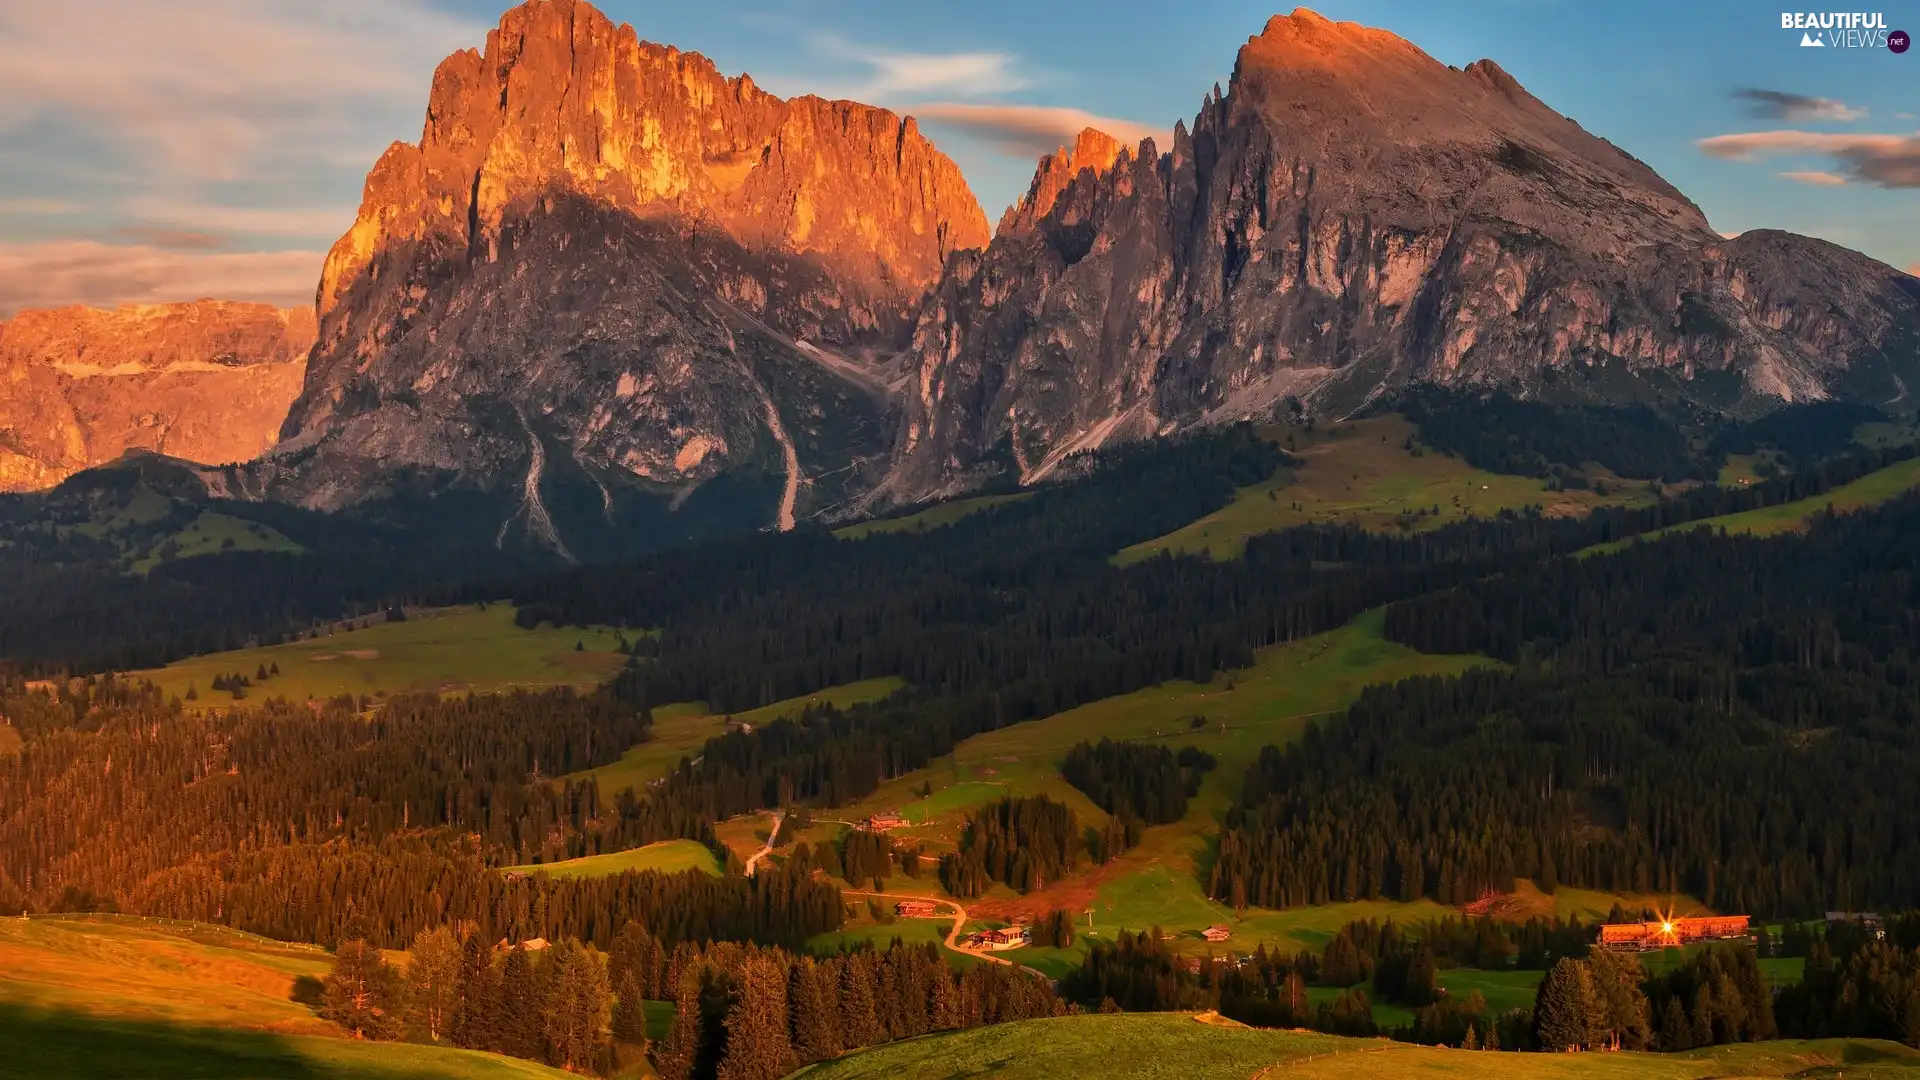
column 60, row 272
column 893, row 75
column 1032, row 130
column 1816, row 178
column 210, row 89
column 325, row 222
column 1889, row 161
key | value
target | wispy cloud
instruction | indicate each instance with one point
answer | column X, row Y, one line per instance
column 1816, row 178
column 209, row 89
column 64, row 272
column 1030, row 130
column 1796, row 108
column 171, row 239
column 893, row 75
column 32, row 207
column 1889, row 161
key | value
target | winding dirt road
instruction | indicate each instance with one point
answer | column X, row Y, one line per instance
column 953, row 935
column 778, row 817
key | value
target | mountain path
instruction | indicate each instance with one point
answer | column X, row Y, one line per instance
column 953, row 934
column 752, row 863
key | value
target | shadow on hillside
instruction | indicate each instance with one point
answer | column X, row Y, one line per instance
column 49, row 1044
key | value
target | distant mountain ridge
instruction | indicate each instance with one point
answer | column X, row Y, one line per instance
column 1351, row 216
column 209, row 381
column 608, row 263
column 615, row 292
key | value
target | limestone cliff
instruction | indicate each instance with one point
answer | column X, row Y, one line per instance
column 208, row 381
column 1350, row 216
column 606, row 260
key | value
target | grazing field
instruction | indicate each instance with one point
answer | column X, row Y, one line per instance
column 932, row 517
column 1161, row 882
column 1870, row 490
column 882, row 935
column 1153, row 1046
column 666, row 857
column 681, row 729
column 103, row 996
column 446, row 650
column 1361, row 473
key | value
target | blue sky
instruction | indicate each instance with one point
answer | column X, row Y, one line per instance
column 217, row 147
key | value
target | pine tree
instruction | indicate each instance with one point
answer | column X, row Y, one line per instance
column 433, row 981
column 1703, row 1015
column 814, row 1030
column 758, row 1046
column 575, row 1019
column 475, row 1017
column 1568, row 1014
column 1617, row 978
column 362, row 994
column 1294, row 994
column 629, row 1010
column 1472, row 1041
column 1675, row 1033
column 859, row 1024
column 522, row 1004
column 676, row 1055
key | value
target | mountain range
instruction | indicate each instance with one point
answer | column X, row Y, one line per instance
column 610, row 285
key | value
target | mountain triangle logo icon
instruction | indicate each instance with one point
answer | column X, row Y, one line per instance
column 1808, row 41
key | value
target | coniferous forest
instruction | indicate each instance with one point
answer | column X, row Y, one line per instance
column 1731, row 718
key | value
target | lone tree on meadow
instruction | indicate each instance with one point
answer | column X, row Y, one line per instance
column 433, row 981
column 1569, row 1015
column 362, row 993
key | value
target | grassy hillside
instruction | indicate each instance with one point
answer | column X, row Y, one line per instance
column 1166, row 1045
column 1870, row 490
column 447, row 650
column 667, row 857
column 110, row 997
column 1361, row 473
column 681, row 729
column 932, row 517
column 1161, row 882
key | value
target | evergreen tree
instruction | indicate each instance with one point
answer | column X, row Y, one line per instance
column 758, row 1046
column 522, row 1005
column 362, row 994
column 1703, row 1015
column 1568, row 1014
column 1675, row 1033
column 815, row 1030
column 577, row 1007
column 433, row 981
column 1617, row 978
column 476, row 1014
column 859, row 1024
column 677, row 1053
column 629, row 1010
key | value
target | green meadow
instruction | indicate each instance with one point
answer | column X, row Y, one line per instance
column 444, row 650
column 104, row 996
column 1361, row 473
column 666, row 857
column 681, row 729
column 1179, row 1046
column 1870, row 490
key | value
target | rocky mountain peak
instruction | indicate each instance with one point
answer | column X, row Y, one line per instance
column 564, row 100
column 1351, row 215
column 1093, row 150
column 209, row 381
column 614, row 286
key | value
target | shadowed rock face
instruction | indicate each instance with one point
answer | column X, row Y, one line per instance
column 605, row 257
column 1351, row 216
column 208, row 381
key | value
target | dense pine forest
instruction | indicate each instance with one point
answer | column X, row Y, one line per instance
column 1725, row 717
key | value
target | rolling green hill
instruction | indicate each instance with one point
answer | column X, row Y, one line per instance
column 447, row 650
column 1363, row 473
column 1153, row 1046
column 667, row 857
column 102, row 996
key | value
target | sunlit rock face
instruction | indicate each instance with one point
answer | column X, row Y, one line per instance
column 605, row 258
column 1349, row 216
column 208, row 381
